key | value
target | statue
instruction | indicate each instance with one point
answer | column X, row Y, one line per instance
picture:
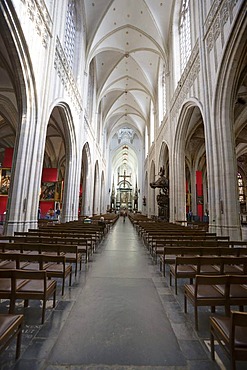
column 162, row 199
column 162, row 183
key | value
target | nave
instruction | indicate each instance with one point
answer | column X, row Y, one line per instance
column 119, row 313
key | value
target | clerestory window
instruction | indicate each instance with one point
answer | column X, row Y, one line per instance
column 70, row 32
column 184, row 34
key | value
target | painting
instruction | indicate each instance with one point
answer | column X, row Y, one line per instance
column 51, row 191
column 47, row 191
column 5, row 176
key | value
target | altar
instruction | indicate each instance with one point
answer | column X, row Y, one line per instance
column 124, row 196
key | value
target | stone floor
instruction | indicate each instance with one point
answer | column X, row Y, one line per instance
column 119, row 313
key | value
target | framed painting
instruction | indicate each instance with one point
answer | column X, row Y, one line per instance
column 5, row 176
column 58, row 191
column 47, row 191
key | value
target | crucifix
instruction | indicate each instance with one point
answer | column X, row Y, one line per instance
column 124, row 177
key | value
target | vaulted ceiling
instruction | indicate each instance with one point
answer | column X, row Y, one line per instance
column 127, row 39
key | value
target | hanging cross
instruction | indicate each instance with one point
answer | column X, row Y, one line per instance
column 124, row 176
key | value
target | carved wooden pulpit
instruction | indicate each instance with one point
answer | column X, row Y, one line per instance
column 163, row 197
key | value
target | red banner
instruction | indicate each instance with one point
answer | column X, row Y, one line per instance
column 8, row 157
column 199, row 194
column 49, row 175
column 3, row 204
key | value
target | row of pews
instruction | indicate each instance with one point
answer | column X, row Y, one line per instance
column 210, row 270
column 33, row 263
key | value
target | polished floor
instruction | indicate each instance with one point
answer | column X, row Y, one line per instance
column 120, row 313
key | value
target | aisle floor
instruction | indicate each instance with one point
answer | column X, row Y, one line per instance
column 120, row 313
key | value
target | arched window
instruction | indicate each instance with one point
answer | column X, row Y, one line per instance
column 184, row 34
column 70, row 32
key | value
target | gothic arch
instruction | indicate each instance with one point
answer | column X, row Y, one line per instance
column 164, row 158
column 85, row 180
column 102, row 192
column 228, row 109
column 152, row 197
column 189, row 155
column 60, row 153
column 145, row 200
column 14, row 54
column 96, row 189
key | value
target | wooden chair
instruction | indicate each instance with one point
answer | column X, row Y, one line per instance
column 26, row 285
column 184, row 268
column 205, row 293
column 11, row 327
column 231, row 334
column 37, row 287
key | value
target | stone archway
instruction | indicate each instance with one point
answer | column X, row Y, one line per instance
column 189, row 164
column 85, row 181
column 96, row 190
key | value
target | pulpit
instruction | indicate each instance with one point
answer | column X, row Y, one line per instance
column 163, row 197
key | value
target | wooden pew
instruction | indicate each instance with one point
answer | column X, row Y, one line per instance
column 171, row 252
column 71, row 252
column 27, row 285
column 11, row 328
column 220, row 290
column 188, row 267
column 54, row 265
column 159, row 244
column 231, row 333
column 159, row 250
column 89, row 238
column 85, row 244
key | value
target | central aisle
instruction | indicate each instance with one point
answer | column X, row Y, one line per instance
column 118, row 318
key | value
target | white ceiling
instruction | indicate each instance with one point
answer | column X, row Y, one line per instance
column 127, row 38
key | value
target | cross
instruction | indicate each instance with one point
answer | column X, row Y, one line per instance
column 124, row 176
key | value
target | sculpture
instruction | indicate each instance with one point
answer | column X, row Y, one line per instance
column 162, row 199
column 162, row 183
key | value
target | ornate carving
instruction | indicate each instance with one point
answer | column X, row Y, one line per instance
column 39, row 15
column 216, row 19
column 224, row 13
column 188, row 77
column 162, row 200
column 65, row 74
column 216, row 27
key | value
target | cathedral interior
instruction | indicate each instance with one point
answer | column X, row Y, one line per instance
column 123, row 106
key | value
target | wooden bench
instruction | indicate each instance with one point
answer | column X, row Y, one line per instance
column 70, row 251
column 89, row 238
column 220, row 290
column 10, row 328
column 188, row 267
column 54, row 265
column 169, row 254
column 85, row 245
column 96, row 230
column 158, row 250
column 158, row 243
column 151, row 238
column 231, row 333
column 154, row 235
column 26, row 285
column 199, row 243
